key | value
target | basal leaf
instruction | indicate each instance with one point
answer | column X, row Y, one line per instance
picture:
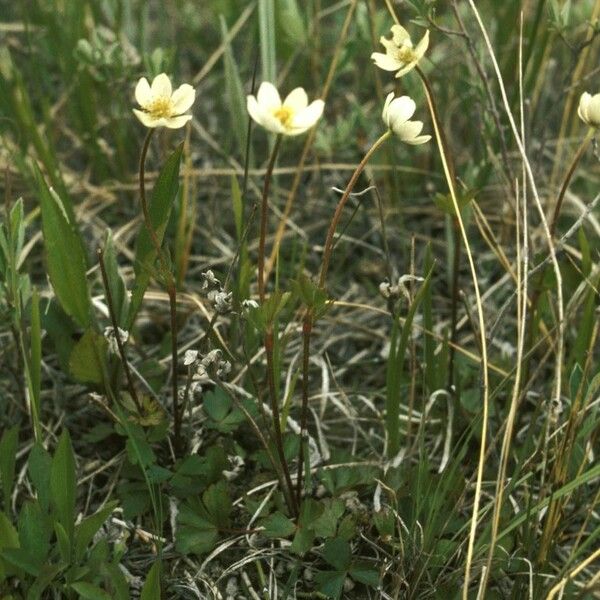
column 63, row 484
column 65, row 256
column 151, row 589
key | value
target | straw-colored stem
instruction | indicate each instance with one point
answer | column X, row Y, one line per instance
column 340, row 206
column 482, row 331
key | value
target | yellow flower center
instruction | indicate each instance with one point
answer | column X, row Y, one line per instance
column 284, row 115
column 406, row 54
column 160, row 107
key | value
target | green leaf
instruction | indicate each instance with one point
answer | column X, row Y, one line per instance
column 337, row 553
column 151, row 589
column 65, row 255
column 218, row 405
column 89, row 591
column 326, row 524
column 238, row 207
column 8, row 456
column 85, row 531
column 63, row 484
column 291, row 22
column 395, row 368
column 364, row 573
column 63, row 542
column 218, row 503
column 38, row 466
column 116, row 284
column 235, row 96
column 9, row 538
column 195, row 534
column 21, row 559
column 35, row 530
column 161, row 203
column 34, row 363
column 88, row 358
column 267, row 29
column 199, row 522
column 330, row 583
column 305, row 534
column 278, row 525
column 46, row 576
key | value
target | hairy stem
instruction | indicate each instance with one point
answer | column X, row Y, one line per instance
column 113, row 318
column 567, row 180
column 168, row 281
column 264, row 213
column 306, row 332
column 288, row 490
column 337, row 215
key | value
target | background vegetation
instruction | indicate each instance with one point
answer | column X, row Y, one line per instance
column 416, row 486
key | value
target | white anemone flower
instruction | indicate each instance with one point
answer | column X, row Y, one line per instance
column 396, row 115
column 293, row 116
column 399, row 54
column 589, row 109
column 161, row 106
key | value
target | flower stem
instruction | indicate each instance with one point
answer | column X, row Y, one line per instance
column 264, row 213
column 289, row 489
column 168, row 281
column 567, row 180
column 113, row 318
column 340, row 207
column 306, row 332
column 308, row 322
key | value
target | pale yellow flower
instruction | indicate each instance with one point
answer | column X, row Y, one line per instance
column 399, row 54
column 589, row 109
column 396, row 115
column 161, row 106
column 293, row 116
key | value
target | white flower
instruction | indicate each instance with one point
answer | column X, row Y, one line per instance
column 161, row 106
column 190, row 357
column 249, row 304
column 396, row 115
column 111, row 338
column 399, row 52
column 589, row 109
column 293, row 116
column 209, row 280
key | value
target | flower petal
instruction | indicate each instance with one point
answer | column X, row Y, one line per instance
column 273, row 124
column 593, row 110
column 161, row 86
column 422, row 46
column 385, row 113
column 183, row 98
column 400, row 36
column 143, row 95
column 406, row 69
column 297, row 100
column 407, row 130
column 584, row 102
column 268, row 96
column 177, row 122
column 146, row 118
column 254, row 109
column 386, row 62
column 422, row 139
column 400, row 110
column 309, row 116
